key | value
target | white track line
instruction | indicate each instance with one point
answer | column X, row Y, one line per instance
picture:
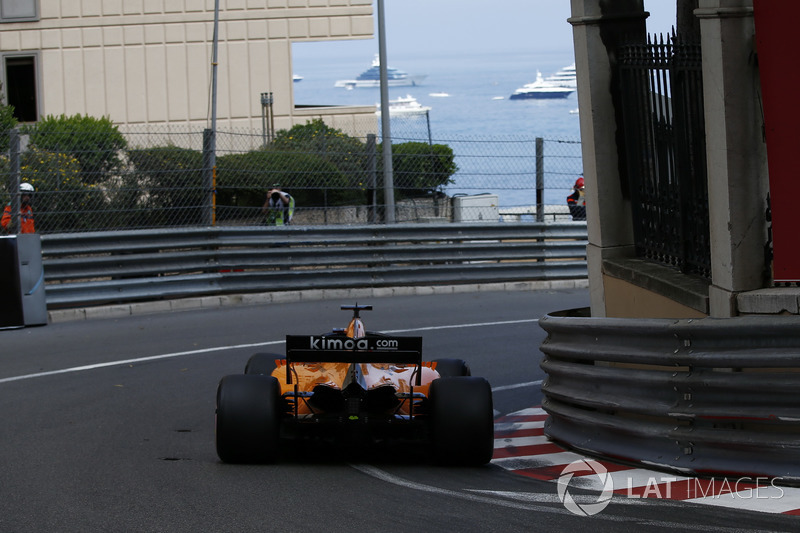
column 238, row 346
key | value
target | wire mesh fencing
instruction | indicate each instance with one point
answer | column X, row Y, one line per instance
column 106, row 180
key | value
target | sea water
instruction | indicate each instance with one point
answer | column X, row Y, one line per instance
column 487, row 130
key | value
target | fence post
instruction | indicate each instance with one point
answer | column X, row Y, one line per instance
column 539, row 179
column 372, row 171
column 15, row 169
column 209, row 176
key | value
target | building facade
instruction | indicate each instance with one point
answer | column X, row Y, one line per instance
column 738, row 175
column 149, row 62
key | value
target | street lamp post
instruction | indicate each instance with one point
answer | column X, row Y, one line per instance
column 210, row 135
column 386, row 138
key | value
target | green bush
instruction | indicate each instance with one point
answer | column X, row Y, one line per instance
column 420, row 169
column 87, row 179
column 7, row 123
column 244, row 179
column 62, row 202
column 166, row 187
column 95, row 142
column 346, row 153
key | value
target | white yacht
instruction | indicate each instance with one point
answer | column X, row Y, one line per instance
column 372, row 78
column 405, row 106
column 559, row 85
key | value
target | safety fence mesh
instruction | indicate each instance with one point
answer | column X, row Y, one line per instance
column 150, row 178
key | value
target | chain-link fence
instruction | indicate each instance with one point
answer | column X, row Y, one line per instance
column 105, row 180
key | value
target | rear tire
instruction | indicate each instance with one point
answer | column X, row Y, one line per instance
column 450, row 368
column 248, row 419
column 462, row 420
column 262, row 363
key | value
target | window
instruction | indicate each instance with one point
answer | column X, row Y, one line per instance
column 20, row 86
column 19, row 10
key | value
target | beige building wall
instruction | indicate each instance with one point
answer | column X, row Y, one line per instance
column 149, row 62
column 626, row 300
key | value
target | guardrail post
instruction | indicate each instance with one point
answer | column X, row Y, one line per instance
column 539, row 179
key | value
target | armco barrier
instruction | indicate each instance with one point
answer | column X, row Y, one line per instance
column 695, row 396
column 114, row 267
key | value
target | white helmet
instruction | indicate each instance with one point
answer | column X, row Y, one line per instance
column 25, row 187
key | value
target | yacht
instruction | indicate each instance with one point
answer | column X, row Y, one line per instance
column 405, row 106
column 566, row 77
column 372, row 78
column 559, row 85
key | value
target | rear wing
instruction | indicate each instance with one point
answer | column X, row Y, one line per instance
column 343, row 349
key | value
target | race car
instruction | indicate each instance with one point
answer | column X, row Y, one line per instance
column 353, row 384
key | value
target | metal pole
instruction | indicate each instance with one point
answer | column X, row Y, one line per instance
column 267, row 118
column 214, row 58
column 212, row 143
column 264, row 119
column 428, row 121
column 271, row 119
column 386, row 140
column 208, row 174
column 372, row 171
column 539, row 179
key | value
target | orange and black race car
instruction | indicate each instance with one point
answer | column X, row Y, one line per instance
column 354, row 383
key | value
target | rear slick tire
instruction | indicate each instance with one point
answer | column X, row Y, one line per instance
column 262, row 363
column 462, row 420
column 450, row 368
column 248, row 419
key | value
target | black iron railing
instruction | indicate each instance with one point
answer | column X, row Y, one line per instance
column 664, row 136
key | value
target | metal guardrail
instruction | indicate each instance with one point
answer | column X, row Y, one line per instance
column 698, row 396
column 126, row 266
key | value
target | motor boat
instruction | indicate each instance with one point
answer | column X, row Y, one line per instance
column 405, row 106
column 372, row 78
column 559, row 85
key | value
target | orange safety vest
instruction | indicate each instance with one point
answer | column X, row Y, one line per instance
column 25, row 219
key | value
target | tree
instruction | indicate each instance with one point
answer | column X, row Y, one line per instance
column 244, row 179
column 347, row 153
column 7, row 123
column 95, row 142
column 166, row 188
column 421, row 169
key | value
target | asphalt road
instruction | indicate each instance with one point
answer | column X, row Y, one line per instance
column 109, row 426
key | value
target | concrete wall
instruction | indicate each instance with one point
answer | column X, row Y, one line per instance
column 598, row 28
